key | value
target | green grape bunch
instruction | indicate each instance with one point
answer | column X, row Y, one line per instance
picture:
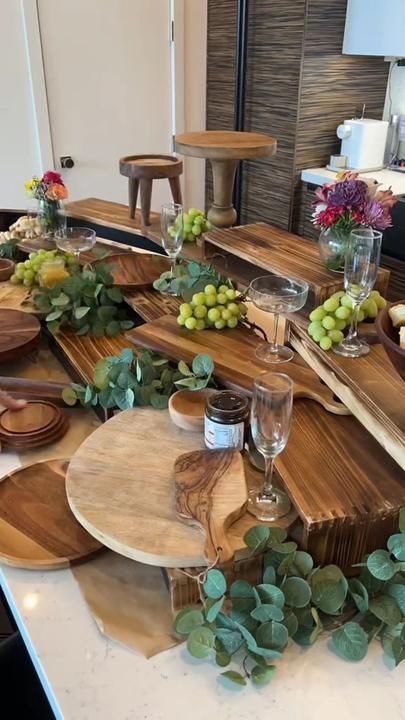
column 215, row 308
column 27, row 273
column 192, row 223
column 328, row 321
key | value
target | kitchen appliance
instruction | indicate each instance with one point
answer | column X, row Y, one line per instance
column 363, row 143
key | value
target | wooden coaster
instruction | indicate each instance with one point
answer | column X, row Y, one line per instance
column 35, row 416
column 37, row 529
column 19, row 334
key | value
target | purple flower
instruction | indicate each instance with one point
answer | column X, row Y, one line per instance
column 376, row 215
column 348, row 193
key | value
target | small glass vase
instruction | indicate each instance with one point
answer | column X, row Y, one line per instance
column 333, row 246
column 53, row 217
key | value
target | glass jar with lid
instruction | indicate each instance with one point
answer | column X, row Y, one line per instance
column 226, row 420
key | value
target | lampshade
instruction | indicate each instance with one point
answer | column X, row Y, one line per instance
column 374, row 27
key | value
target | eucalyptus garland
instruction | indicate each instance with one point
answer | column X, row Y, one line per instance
column 250, row 626
column 189, row 279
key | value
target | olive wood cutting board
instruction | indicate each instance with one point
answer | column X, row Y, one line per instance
column 37, row 529
column 233, row 352
column 120, row 486
column 211, row 493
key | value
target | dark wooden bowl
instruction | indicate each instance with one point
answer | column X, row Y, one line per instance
column 6, row 268
column 389, row 337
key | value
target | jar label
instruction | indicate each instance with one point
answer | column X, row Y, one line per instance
column 217, row 435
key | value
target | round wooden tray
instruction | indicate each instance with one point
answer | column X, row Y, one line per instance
column 37, row 528
column 19, row 334
column 120, row 486
column 136, row 271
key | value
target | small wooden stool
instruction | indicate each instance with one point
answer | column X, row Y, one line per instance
column 143, row 169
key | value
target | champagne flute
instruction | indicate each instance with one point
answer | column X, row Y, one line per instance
column 361, row 267
column 171, row 223
column 277, row 295
column 271, row 415
column 75, row 240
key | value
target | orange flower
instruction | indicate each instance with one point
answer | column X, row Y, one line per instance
column 56, row 192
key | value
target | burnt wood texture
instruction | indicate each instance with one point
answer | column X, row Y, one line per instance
column 299, row 88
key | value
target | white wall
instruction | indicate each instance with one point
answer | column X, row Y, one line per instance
column 19, row 151
column 397, row 82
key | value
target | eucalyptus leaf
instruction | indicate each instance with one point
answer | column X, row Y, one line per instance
column 262, row 675
column 234, row 677
column 212, row 608
column 200, row 642
column 277, row 535
column 396, row 546
column 241, row 609
column 303, row 563
column 329, row 588
column 256, row 538
column 230, row 639
column 81, row 312
column 271, row 594
column 88, row 394
column 187, row 620
column 272, row 636
column 222, row 659
column 215, row 584
column 390, row 633
column 398, row 650
column 225, row 622
column 69, row 396
column 247, row 636
column 286, row 566
column 264, row 613
column 350, row 642
column 265, row 653
column 269, row 576
column 61, row 300
column 184, row 369
column 402, row 520
column 159, row 402
column 290, row 621
column 385, row 608
column 397, row 591
column 241, row 589
column 380, row 565
column 113, row 328
column 297, row 592
column 202, row 365
column 54, row 315
column 115, row 295
column 284, row 548
column 359, row 594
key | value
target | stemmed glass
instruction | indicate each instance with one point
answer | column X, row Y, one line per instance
column 361, row 267
column 277, row 295
column 171, row 223
column 75, row 240
column 271, row 415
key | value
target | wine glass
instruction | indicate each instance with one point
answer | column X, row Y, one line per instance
column 75, row 240
column 171, row 223
column 361, row 267
column 277, row 295
column 270, row 427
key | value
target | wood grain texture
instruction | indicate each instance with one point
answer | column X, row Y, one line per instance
column 19, row 334
column 150, row 305
column 34, row 389
column 226, row 145
column 152, row 167
column 211, row 493
column 233, row 352
column 37, row 529
column 136, row 271
column 35, row 416
column 83, row 352
column 369, row 387
column 282, row 253
column 130, row 506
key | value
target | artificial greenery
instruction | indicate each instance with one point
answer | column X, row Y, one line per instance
column 189, row 279
column 87, row 302
column 127, row 380
column 9, row 250
column 252, row 625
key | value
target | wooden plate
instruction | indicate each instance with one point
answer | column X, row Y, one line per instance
column 27, row 437
column 37, row 528
column 19, row 334
column 39, row 441
column 136, row 271
column 34, row 417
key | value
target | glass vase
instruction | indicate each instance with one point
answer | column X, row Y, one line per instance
column 53, row 217
column 333, row 245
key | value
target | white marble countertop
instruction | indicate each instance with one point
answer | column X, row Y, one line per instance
column 388, row 178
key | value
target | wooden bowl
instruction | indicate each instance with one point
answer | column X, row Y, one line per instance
column 6, row 268
column 389, row 337
column 187, row 408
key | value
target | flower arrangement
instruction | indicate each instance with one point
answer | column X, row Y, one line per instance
column 49, row 190
column 349, row 203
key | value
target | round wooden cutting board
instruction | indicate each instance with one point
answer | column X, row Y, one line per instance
column 37, row 528
column 136, row 271
column 19, row 334
column 120, row 486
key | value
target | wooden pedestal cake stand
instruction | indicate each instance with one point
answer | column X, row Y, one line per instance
column 225, row 149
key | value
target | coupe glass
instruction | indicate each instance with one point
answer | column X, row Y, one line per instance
column 270, row 427
column 361, row 267
column 171, row 223
column 277, row 295
column 75, row 240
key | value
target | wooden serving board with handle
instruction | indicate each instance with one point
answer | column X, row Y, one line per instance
column 233, row 352
column 211, row 492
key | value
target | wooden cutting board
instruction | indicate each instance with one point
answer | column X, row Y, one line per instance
column 233, row 352
column 211, row 493
column 120, row 486
column 35, row 416
column 19, row 334
column 136, row 271
column 37, row 528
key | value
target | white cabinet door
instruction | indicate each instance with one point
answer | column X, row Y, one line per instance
column 108, row 79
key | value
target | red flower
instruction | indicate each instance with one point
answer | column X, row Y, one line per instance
column 51, row 177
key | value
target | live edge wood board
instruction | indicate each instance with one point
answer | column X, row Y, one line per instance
column 250, row 248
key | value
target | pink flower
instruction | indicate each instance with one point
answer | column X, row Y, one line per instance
column 376, row 215
column 51, row 177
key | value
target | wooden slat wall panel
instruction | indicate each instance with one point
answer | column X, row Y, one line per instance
column 273, row 75
column 221, row 59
